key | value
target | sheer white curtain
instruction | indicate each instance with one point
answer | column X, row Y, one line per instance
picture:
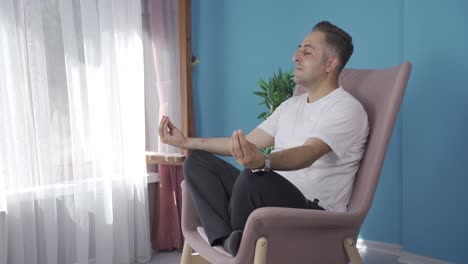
column 72, row 132
column 164, row 97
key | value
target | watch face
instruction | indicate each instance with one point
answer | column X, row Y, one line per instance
column 267, row 163
column 258, row 170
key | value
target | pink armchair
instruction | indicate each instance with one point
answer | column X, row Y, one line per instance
column 284, row 235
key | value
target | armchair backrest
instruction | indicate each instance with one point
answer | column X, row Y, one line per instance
column 381, row 93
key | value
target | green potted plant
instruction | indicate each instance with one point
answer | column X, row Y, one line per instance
column 277, row 90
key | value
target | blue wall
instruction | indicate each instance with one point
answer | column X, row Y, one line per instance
column 420, row 202
column 435, row 130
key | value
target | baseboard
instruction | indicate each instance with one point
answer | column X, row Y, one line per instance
column 397, row 250
column 410, row 258
column 381, row 247
column 3, row 237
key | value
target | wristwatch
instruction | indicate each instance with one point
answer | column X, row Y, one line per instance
column 267, row 165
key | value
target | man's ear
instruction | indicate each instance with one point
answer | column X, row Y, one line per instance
column 332, row 64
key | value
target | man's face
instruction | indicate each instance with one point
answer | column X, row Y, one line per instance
column 310, row 66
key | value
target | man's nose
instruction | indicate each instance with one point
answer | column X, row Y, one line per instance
column 296, row 57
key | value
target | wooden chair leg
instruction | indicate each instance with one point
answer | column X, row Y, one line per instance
column 197, row 259
column 191, row 258
column 261, row 248
column 186, row 254
column 352, row 251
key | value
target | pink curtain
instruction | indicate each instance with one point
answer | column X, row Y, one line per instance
column 167, row 233
column 163, row 20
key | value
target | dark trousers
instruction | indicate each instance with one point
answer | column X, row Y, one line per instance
column 224, row 197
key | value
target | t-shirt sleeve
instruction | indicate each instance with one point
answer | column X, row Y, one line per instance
column 341, row 125
column 270, row 125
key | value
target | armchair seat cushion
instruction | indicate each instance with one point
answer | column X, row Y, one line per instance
column 220, row 249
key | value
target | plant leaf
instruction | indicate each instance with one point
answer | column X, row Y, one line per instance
column 262, row 115
column 261, row 94
column 263, row 84
column 280, row 87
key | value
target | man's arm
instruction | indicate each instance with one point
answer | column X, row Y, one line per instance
column 213, row 145
column 221, row 145
column 299, row 157
column 171, row 135
column 295, row 158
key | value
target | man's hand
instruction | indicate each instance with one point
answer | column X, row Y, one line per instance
column 246, row 153
column 169, row 134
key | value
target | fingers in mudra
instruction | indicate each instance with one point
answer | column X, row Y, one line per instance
column 164, row 130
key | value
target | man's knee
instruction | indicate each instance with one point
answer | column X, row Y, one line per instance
column 194, row 160
column 249, row 181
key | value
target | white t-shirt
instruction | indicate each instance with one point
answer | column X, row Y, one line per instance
column 340, row 121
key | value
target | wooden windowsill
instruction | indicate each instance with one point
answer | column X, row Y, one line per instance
column 163, row 158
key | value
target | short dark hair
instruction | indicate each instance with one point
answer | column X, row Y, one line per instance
column 338, row 40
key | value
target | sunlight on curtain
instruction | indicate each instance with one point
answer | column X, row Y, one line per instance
column 72, row 131
column 164, row 85
column 162, row 33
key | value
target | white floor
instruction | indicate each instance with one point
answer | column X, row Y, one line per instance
column 368, row 257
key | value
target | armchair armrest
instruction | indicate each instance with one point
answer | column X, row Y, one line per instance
column 272, row 218
column 302, row 224
column 301, row 230
column 190, row 219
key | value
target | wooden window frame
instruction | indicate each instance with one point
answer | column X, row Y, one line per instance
column 185, row 46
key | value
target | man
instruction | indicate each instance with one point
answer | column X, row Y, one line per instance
column 319, row 140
